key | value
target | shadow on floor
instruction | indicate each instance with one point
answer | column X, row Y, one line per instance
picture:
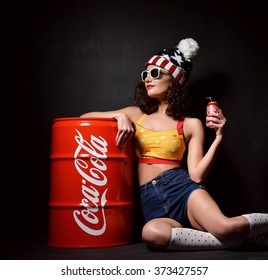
column 39, row 250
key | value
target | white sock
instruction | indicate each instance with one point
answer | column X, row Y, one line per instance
column 258, row 223
column 186, row 239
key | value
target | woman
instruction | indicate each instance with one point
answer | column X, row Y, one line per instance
column 179, row 213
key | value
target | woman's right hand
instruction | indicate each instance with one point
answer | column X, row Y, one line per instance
column 125, row 118
column 125, row 129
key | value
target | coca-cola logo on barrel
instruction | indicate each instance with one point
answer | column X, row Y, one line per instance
column 91, row 218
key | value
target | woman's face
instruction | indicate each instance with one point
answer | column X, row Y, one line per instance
column 157, row 87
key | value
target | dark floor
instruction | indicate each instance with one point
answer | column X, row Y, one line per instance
column 39, row 250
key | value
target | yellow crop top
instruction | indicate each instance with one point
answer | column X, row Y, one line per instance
column 165, row 146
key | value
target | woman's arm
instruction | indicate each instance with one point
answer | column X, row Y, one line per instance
column 125, row 118
column 199, row 164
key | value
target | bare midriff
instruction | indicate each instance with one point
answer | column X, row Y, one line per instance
column 148, row 172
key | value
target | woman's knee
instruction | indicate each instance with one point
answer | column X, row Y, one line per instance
column 156, row 234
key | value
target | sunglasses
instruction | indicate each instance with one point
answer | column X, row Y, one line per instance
column 155, row 73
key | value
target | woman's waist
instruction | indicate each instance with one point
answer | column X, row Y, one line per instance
column 148, row 172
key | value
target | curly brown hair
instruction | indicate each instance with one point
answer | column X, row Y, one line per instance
column 178, row 100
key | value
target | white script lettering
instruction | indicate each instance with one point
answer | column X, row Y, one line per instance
column 94, row 177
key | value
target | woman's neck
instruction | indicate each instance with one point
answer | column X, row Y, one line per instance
column 162, row 107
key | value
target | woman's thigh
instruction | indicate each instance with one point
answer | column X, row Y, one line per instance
column 204, row 213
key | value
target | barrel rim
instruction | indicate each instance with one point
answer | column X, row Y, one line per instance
column 83, row 119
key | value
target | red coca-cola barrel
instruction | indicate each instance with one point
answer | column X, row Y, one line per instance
column 91, row 189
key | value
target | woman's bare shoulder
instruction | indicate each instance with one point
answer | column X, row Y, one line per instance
column 192, row 126
column 133, row 112
column 193, row 121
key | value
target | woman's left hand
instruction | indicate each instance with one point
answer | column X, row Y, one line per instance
column 218, row 121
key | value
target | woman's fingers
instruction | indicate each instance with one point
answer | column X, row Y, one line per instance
column 218, row 120
column 123, row 135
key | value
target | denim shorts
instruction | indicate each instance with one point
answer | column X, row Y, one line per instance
column 167, row 196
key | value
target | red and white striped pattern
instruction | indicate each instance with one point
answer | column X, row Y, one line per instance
column 164, row 63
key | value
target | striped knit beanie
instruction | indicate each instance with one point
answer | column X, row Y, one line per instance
column 177, row 61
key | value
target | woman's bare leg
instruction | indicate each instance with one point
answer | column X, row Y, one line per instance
column 157, row 232
column 212, row 229
column 204, row 214
column 165, row 233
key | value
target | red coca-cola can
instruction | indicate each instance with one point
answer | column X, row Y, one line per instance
column 91, row 185
column 212, row 106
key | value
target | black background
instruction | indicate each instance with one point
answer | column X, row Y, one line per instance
column 70, row 57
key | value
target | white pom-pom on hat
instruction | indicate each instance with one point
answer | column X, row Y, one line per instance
column 188, row 47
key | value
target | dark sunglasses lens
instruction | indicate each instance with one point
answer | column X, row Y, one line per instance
column 155, row 73
column 144, row 75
